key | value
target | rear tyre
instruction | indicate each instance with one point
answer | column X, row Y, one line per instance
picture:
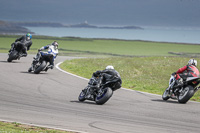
column 165, row 95
column 186, row 94
column 40, row 68
column 104, row 96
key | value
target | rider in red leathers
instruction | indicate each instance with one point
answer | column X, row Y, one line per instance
column 190, row 70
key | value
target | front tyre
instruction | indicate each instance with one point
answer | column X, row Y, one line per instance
column 81, row 97
column 103, row 96
column 40, row 67
column 12, row 56
column 30, row 69
column 165, row 95
column 186, row 94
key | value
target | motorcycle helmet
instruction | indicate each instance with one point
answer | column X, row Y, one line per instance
column 109, row 67
column 29, row 35
column 192, row 62
column 55, row 44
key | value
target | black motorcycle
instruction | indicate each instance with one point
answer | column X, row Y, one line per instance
column 40, row 63
column 16, row 52
column 98, row 91
column 182, row 92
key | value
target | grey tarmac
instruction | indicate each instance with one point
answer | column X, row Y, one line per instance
column 50, row 99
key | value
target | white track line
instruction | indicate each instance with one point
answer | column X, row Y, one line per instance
column 57, row 66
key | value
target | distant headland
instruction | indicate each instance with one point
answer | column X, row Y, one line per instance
column 20, row 27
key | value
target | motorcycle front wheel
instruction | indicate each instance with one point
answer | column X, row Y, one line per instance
column 165, row 95
column 40, row 67
column 12, row 56
column 81, row 97
column 103, row 95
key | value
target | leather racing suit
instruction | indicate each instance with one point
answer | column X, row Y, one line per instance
column 52, row 53
column 187, row 71
column 24, row 41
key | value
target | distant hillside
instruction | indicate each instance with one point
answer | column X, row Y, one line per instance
column 7, row 28
column 86, row 25
column 81, row 25
column 37, row 24
column 19, row 27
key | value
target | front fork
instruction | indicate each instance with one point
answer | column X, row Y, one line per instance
column 173, row 93
column 34, row 63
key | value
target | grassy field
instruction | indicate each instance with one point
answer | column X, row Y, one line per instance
column 148, row 74
column 104, row 48
column 14, row 127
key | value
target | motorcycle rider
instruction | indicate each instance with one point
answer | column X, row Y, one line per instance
column 108, row 74
column 52, row 52
column 25, row 41
column 190, row 70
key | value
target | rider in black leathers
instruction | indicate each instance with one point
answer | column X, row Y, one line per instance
column 26, row 41
column 108, row 74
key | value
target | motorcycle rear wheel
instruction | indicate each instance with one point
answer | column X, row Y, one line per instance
column 186, row 94
column 104, row 96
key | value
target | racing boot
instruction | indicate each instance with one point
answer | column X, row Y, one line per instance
column 50, row 66
column 24, row 54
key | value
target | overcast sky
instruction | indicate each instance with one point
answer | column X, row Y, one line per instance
column 104, row 12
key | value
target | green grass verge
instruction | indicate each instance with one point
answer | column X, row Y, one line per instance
column 99, row 47
column 6, row 127
column 148, row 74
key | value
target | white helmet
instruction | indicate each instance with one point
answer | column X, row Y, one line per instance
column 109, row 67
column 192, row 62
column 55, row 44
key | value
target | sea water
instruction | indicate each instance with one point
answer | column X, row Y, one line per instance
column 178, row 35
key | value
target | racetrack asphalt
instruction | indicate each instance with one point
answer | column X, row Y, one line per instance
column 50, row 99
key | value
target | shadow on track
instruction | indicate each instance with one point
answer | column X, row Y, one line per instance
column 9, row 62
column 169, row 101
column 31, row 72
column 85, row 102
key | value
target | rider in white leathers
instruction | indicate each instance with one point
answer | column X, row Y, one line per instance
column 52, row 52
